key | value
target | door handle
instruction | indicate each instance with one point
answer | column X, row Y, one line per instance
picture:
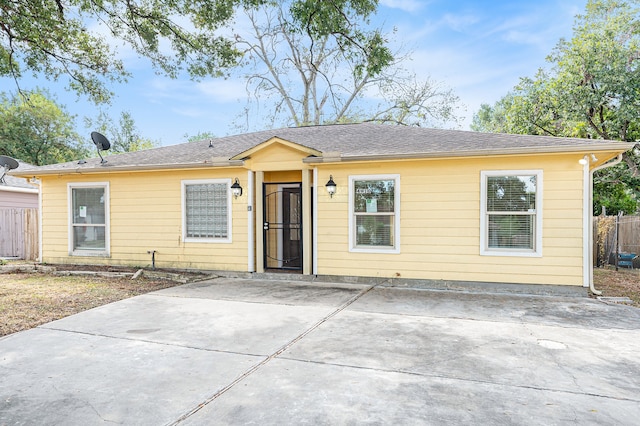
column 265, row 226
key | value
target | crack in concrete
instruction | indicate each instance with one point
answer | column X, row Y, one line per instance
column 132, row 339
column 274, row 355
column 442, row 376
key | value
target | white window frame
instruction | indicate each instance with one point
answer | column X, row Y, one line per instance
column 228, row 238
column 395, row 249
column 107, row 219
column 484, row 216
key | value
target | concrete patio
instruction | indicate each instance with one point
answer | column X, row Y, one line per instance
column 248, row 351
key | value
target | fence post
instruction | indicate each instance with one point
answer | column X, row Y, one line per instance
column 618, row 238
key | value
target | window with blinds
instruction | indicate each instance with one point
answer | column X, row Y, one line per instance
column 89, row 223
column 511, row 212
column 206, row 210
column 374, row 212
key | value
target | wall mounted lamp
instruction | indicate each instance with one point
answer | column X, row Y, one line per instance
column 331, row 186
column 585, row 160
column 236, row 189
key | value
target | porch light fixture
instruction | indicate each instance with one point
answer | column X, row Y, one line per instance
column 236, row 189
column 331, row 186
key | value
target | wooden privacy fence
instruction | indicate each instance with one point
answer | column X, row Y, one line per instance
column 19, row 233
column 615, row 234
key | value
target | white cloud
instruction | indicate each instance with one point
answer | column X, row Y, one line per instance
column 190, row 112
column 223, row 91
column 406, row 5
column 460, row 22
column 216, row 91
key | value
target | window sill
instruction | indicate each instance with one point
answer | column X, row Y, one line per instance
column 382, row 250
column 208, row 240
column 89, row 253
column 510, row 253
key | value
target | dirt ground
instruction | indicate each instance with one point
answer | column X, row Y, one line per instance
column 30, row 299
column 623, row 283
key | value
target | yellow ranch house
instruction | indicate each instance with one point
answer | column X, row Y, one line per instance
column 351, row 202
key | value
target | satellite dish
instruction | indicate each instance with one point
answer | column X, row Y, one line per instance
column 101, row 142
column 6, row 164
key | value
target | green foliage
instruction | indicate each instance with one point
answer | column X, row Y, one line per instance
column 200, row 136
column 123, row 136
column 339, row 19
column 55, row 38
column 617, row 189
column 614, row 198
column 37, row 130
column 591, row 91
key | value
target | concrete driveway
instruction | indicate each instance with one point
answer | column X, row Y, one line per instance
column 237, row 351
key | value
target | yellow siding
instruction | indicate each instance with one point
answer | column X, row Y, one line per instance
column 439, row 219
column 284, row 176
column 440, row 223
column 277, row 157
column 146, row 214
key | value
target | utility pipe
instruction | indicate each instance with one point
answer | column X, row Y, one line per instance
column 589, row 212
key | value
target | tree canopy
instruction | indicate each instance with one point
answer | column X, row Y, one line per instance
column 80, row 39
column 38, row 131
column 592, row 90
column 310, row 76
column 123, row 134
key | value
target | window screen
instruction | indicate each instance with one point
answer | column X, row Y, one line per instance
column 511, row 211
column 207, row 210
column 374, row 211
column 88, row 218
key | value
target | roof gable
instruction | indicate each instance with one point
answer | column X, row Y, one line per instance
column 276, row 154
column 292, row 146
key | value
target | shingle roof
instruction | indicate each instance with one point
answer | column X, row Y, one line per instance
column 17, row 182
column 350, row 140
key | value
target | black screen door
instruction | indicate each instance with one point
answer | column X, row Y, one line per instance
column 282, row 224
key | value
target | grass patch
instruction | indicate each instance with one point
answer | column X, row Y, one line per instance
column 28, row 299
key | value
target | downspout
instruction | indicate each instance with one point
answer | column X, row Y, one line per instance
column 588, row 213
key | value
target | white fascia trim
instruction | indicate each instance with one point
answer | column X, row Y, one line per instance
column 250, row 223
column 314, row 222
column 586, row 223
column 19, row 189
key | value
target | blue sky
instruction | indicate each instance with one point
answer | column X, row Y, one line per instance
column 478, row 48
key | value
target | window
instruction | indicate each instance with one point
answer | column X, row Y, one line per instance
column 511, row 213
column 89, row 219
column 206, row 210
column 374, row 222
